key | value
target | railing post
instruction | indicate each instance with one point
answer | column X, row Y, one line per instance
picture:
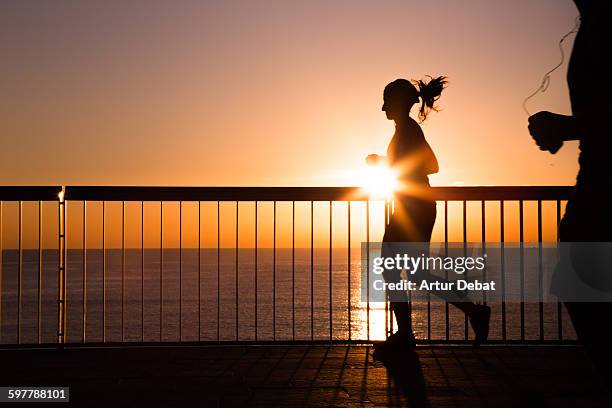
column 61, row 287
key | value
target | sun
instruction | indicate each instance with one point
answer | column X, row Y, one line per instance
column 379, row 181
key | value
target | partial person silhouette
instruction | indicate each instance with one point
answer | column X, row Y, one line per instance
column 414, row 214
column 587, row 216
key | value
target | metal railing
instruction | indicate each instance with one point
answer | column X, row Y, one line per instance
column 108, row 296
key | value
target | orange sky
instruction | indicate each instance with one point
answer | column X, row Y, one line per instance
column 271, row 93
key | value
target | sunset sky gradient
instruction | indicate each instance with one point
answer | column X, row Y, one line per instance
column 271, row 93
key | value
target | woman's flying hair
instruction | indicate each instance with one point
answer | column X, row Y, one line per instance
column 429, row 92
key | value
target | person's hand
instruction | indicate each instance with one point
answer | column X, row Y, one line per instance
column 549, row 130
column 372, row 159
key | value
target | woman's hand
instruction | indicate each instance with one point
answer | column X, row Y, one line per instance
column 550, row 130
column 373, row 159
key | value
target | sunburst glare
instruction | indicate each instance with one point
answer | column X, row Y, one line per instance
column 379, row 181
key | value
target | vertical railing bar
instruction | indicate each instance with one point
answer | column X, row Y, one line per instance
column 161, row 270
column 559, row 309
column 293, row 269
column 331, row 316
column 465, row 322
column 349, row 266
column 60, row 266
column 256, row 273
column 199, row 271
column 40, row 272
column 180, row 271
column 409, row 292
column 522, row 266
column 390, row 208
column 1, row 261
column 311, row 270
column 540, row 283
column 503, row 271
column 20, row 266
column 483, row 237
column 236, row 273
column 446, row 308
column 274, row 276
column 103, row 271
column 142, row 251
column 387, row 331
column 218, row 270
column 122, row 271
column 84, row 271
column 428, row 315
column 368, row 267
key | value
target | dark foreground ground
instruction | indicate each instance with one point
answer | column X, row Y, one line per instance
column 322, row 376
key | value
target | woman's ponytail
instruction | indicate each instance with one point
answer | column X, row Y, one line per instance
column 429, row 92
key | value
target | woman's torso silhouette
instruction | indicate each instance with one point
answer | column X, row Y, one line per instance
column 413, row 159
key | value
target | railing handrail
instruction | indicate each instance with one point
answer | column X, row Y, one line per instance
column 30, row 193
column 139, row 193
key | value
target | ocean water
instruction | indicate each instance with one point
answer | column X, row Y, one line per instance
column 224, row 297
